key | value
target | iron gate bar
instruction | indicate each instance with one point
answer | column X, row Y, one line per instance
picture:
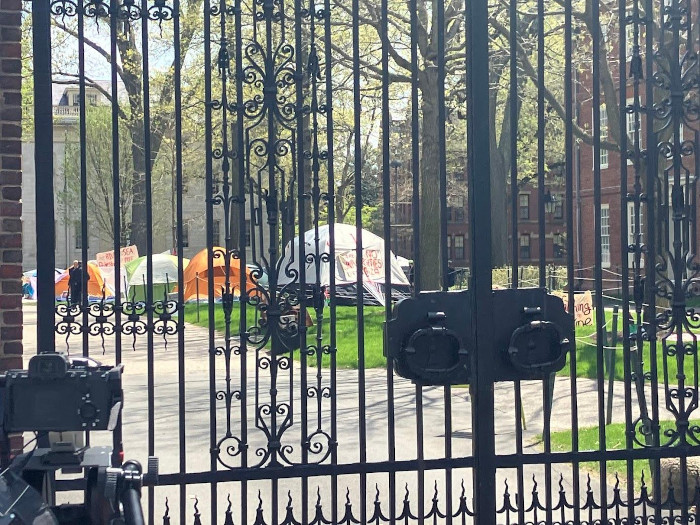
column 479, row 170
column 444, row 255
column 547, row 385
column 83, row 299
column 386, row 202
column 145, row 12
column 208, row 193
column 179, row 187
column 598, row 274
column 649, row 295
column 542, row 262
column 624, row 227
column 358, row 168
column 415, row 248
column 330, row 202
column 244, row 298
column 515, row 195
column 415, row 146
column 43, row 142
column 569, row 159
column 509, row 461
column 116, row 216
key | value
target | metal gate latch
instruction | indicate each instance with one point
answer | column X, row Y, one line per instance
column 430, row 337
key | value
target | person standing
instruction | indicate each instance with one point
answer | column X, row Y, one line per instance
column 75, row 282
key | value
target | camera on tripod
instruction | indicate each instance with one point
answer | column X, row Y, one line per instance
column 58, row 396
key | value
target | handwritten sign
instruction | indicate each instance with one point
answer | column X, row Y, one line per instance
column 372, row 265
column 127, row 254
column 583, row 307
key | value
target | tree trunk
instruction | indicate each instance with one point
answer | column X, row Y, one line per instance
column 429, row 258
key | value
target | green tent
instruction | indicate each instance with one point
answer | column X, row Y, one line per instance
column 164, row 276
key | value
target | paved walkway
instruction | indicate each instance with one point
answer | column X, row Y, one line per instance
column 197, row 424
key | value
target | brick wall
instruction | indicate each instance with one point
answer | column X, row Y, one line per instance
column 10, row 193
column 10, row 186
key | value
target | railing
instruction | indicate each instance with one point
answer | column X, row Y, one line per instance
column 66, row 112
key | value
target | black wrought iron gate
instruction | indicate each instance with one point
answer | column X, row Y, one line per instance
column 290, row 149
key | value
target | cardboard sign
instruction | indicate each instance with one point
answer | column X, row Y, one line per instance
column 372, row 265
column 127, row 254
column 583, row 307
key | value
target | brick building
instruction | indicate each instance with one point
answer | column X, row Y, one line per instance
column 613, row 203
column 458, row 244
column 10, row 195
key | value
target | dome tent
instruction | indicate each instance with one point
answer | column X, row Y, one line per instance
column 165, row 272
column 198, row 270
column 96, row 285
column 345, row 264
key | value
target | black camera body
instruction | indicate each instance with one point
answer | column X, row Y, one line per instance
column 57, row 395
column 430, row 338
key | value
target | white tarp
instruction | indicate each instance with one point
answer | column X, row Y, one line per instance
column 345, row 255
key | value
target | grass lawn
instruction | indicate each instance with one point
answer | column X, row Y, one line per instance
column 346, row 342
column 587, row 355
column 615, row 440
column 346, row 331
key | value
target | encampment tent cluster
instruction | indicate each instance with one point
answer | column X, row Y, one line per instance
column 196, row 278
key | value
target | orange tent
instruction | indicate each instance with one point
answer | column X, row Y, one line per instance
column 94, row 285
column 198, row 269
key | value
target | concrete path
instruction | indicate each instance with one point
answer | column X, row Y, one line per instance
column 198, row 426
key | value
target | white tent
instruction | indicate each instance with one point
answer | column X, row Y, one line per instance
column 345, row 259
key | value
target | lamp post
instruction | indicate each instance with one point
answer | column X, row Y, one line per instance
column 396, row 164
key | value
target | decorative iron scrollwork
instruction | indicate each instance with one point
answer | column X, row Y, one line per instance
column 675, row 110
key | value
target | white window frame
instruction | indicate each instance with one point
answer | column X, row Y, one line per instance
column 630, row 130
column 629, row 41
column 520, row 205
column 604, row 153
column 522, row 244
column 631, row 239
column 459, row 246
column 605, row 235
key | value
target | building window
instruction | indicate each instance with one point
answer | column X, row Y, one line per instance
column 632, row 231
column 604, row 153
column 455, row 213
column 78, row 230
column 459, row 208
column 525, row 246
column 524, row 207
column 92, row 99
column 185, row 235
column 558, row 205
column 449, row 247
column 629, row 41
column 605, row 235
column 216, row 228
column 558, row 245
column 247, row 232
column 76, row 99
column 459, row 247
